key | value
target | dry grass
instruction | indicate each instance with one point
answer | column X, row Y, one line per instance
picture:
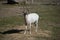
column 22, row 36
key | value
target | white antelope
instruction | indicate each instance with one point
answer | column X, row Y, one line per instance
column 29, row 19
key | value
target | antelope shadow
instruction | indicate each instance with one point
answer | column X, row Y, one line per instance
column 11, row 31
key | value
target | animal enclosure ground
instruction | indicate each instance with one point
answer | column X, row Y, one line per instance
column 49, row 22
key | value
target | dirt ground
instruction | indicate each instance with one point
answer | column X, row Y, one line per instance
column 45, row 34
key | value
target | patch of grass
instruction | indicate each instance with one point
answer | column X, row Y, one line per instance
column 56, row 33
column 15, row 20
column 43, row 38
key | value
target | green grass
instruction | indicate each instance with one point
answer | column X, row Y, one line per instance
column 56, row 33
column 50, row 20
column 14, row 20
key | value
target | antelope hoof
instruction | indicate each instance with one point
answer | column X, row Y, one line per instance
column 25, row 32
